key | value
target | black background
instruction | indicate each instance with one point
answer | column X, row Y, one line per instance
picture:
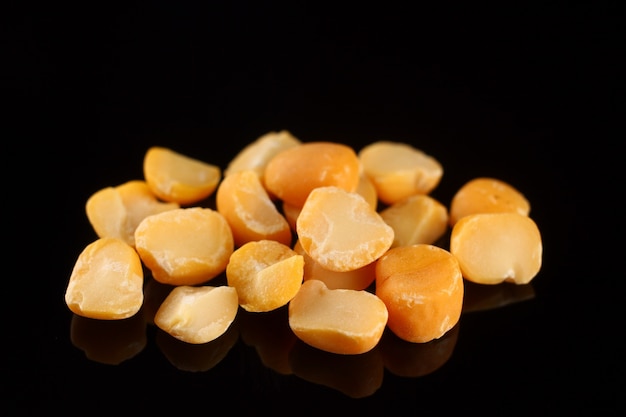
column 526, row 94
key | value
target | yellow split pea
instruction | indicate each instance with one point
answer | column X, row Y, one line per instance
column 186, row 246
column 178, row 178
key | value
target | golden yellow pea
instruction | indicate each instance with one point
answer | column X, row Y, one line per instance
column 257, row 154
column 341, row 321
column 197, row 314
column 293, row 173
column 178, row 178
column 422, row 287
column 117, row 211
column 267, row 274
column 106, row 282
column 487, row 195
column 399, row 170
column 186, row 246
column 249, row 210
column 497, row 247
column 416, row 219
column 340, row 230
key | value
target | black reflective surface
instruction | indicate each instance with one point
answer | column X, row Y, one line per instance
column 527, row 98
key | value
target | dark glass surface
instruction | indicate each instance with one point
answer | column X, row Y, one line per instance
column 514, row 97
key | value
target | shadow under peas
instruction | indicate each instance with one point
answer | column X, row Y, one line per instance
column 481, row 297
column 271, row 337
column 109, row 342
column 197, row 357
column 356, row 376
column 415, row 360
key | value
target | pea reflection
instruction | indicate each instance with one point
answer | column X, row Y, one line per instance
column 197, row 358
column 109, row 342
column 357, row 376
column 482, row 297
column 269, row 333
column 415, row 360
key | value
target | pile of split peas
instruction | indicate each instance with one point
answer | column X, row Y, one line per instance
column 344, row 238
